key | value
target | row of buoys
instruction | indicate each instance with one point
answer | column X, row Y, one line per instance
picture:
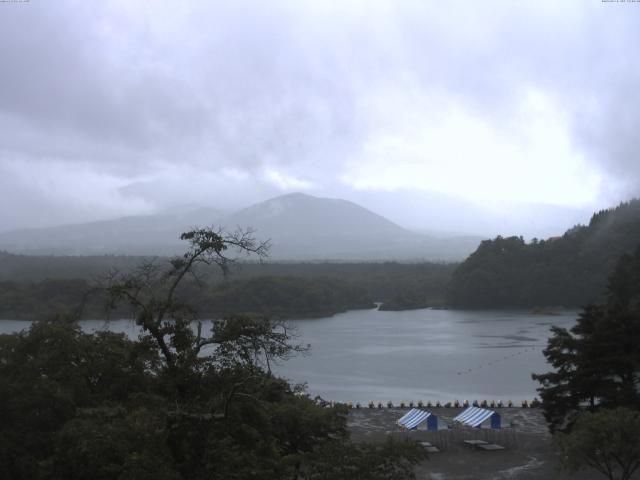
column 456, row 404
column 506, row 357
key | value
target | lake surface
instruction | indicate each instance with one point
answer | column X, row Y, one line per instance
column 437, row 355
column 443, row 355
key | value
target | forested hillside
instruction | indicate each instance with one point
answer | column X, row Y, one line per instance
column 567, row 271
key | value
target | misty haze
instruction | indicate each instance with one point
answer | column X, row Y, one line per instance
column 319, row 240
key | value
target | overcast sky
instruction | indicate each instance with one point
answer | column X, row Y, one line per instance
column 483, row 117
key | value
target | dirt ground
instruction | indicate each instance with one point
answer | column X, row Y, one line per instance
column 528, row 453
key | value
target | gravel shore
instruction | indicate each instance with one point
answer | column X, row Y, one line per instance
column 528, row 452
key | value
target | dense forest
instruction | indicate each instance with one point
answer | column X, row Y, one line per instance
column 30, row 287
column 567, row 271
column 397, row 285
column 278, row 297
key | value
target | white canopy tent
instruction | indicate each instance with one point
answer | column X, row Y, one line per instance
column 475, row 416
column 416, row 417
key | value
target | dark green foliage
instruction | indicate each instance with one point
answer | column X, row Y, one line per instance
column 283, row 297
column 114, row 442
column 275, row 290
column 624, row 284
column 36, row 300
column 597, row 362
column 179, row 403
column 286, row 297
column 383, row 281
column 48, row 374
column 36, row 268
column 568, row 271
column 606, row 441
column 75, row 405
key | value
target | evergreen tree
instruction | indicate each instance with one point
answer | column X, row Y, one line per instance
column 597, row 362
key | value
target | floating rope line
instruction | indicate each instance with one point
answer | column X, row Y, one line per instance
column 493, row 362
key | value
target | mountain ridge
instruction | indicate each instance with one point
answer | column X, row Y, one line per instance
column 300, row 226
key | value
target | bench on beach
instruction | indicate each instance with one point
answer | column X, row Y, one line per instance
column 475, row 443
column 490, row 447
column 482, row 445
column 429, row 447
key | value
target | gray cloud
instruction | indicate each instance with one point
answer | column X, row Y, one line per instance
column 159, row 102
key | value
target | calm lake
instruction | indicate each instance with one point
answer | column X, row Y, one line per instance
column 368, row 355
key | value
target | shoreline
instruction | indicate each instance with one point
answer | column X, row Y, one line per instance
column 528, row 452
column 492, row 404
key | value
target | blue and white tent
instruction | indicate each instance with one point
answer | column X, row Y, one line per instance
column 475, row 416
column 415, row 417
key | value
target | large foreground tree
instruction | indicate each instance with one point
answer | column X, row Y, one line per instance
column 152, row 291
column 181, row 402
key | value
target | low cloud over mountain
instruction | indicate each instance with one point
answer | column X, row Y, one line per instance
column 299, row 226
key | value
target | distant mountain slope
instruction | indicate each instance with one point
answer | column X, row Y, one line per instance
column 300, row 216
column 135, row 235
column 570, row 271
column 301, row 227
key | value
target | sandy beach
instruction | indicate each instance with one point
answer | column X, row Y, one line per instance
column 528, row 452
